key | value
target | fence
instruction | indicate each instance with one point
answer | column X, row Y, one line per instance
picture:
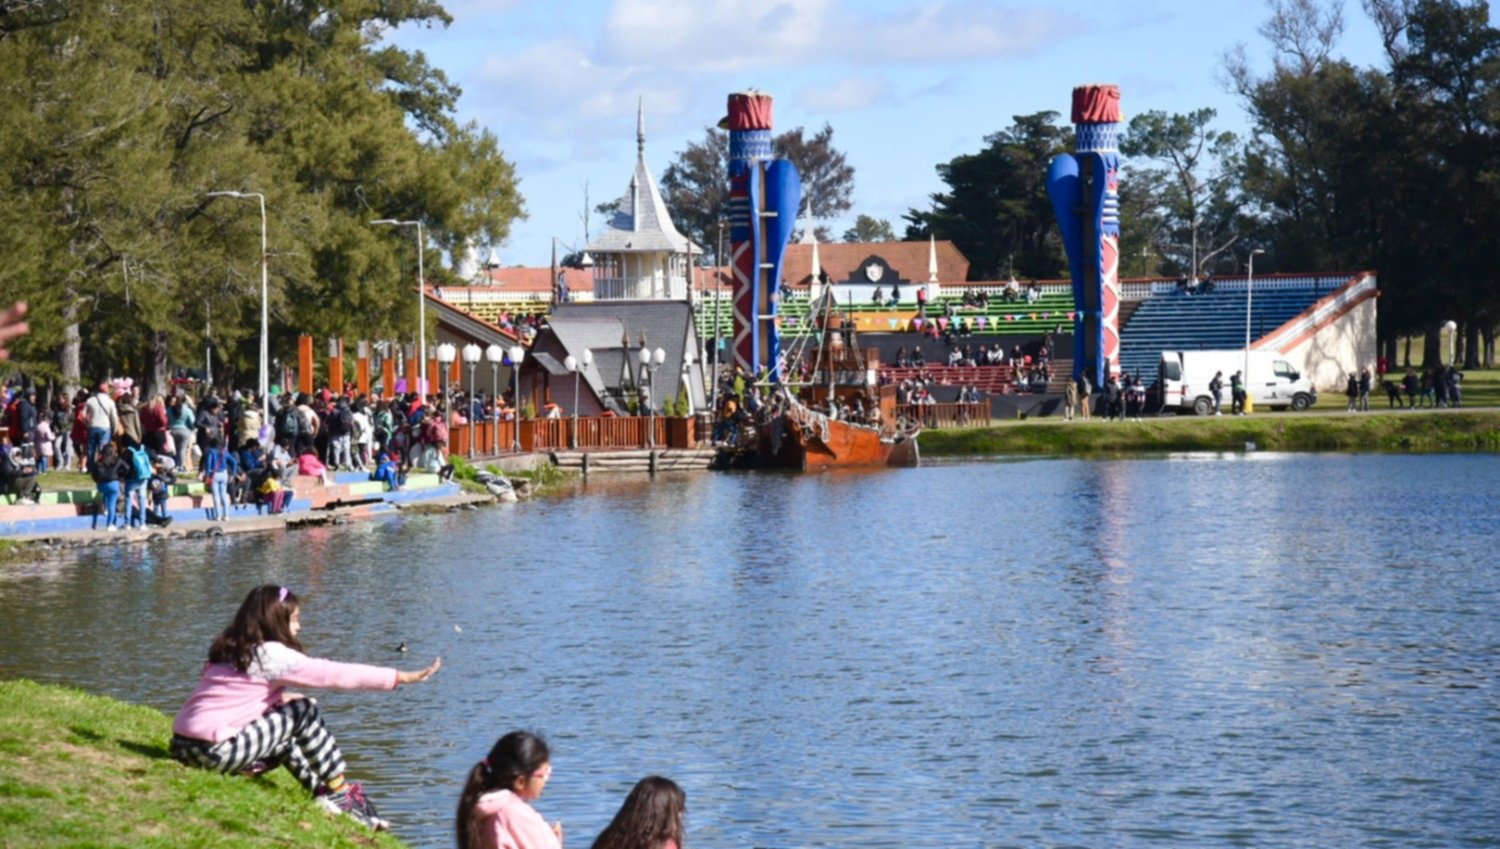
column 946, row 415
column 617, row 432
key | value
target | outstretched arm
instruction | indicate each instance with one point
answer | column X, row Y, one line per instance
column 404, row 677
column 11, row 326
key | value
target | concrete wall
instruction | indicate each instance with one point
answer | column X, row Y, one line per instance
column 1344, row 345
column 1333, row 337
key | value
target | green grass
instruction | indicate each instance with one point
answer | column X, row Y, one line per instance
column 1477, row 430
column 83, row 770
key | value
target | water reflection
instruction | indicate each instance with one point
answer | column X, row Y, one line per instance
column 1212, row 651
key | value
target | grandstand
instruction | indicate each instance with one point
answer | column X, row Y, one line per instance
column 1169, row 321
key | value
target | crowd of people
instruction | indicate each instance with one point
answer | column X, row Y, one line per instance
column 1439, row 386
column 244, row 718
column 135, row 448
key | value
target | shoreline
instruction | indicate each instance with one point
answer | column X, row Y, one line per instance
column 1444, row 431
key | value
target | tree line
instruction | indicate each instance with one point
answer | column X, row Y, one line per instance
column 117, row 121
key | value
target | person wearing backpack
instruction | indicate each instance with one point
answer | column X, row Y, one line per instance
column 289, row 423
column 138, row 461
column 340, row 432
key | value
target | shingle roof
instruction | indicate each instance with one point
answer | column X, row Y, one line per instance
column 641, row 222
column 599, row 326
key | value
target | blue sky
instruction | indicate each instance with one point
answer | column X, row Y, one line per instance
column 905, row 85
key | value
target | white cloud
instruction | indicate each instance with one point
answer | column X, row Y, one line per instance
column 846, row 95
column 733, row 35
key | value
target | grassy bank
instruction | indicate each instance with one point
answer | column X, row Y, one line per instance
column 1417, row 431
column 82, row 770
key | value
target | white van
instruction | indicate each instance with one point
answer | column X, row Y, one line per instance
column 1183, row 378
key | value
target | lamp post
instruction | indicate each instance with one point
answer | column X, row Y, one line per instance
column 1249, row 295
column 687, row 380
column 472, row 354
column 1452, row 327
column 651, row 361
column 495, row 354
column 421, row 294
column 571, row 362
column 517, row 354
column 264, row 385
column 446, row 354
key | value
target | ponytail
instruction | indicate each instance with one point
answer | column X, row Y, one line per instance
column 513, row 756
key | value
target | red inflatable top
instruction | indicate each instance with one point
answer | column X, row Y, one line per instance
column 1096, row 104
column 749, row 110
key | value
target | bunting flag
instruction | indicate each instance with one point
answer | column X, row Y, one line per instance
column 894, row 322
column 1072, row 316
column 942, row 324
column 981, row 321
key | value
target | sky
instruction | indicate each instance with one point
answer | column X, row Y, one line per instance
column 906, row 84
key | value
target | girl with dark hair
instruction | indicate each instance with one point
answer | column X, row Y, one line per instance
column 651, row 817
column 495, row 810
column 241, row 718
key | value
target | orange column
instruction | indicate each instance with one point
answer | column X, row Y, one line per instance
column 362, row 369
column 305, row 364
column 336, row 366
column 412, row 371
column 433, row 386
column 388, row 377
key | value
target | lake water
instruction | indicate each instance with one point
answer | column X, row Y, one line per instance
column 1198, row 651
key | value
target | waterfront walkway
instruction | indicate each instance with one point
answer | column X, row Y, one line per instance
column 70, row 515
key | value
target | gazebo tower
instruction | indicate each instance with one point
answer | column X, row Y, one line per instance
column 641, row 255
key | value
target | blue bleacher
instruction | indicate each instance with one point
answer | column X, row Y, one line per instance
column 1215, row 321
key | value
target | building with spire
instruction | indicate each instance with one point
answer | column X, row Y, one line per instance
column 641, row 255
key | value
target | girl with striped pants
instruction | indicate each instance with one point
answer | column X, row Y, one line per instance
column 242, row 719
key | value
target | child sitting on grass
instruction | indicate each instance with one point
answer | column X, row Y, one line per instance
column 241, row 716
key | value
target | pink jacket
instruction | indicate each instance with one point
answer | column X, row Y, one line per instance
column 511, row 823
column 226, row 700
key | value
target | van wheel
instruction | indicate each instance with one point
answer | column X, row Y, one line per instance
column 1301, row 402
column 1203, row 406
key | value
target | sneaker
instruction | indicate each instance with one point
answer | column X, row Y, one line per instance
column 351, row 801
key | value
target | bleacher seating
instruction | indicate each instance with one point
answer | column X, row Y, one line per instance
column 999, row 316
column 1213, row 321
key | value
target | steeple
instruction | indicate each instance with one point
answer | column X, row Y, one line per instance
column 640, row 129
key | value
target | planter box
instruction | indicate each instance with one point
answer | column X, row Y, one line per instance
column 680, row 432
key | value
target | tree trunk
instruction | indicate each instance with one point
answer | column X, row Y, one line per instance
column 1471, row 345
column 1406, row 356
column 1432, row 344
column 68, row 354
column 1489, row 347
column 156, row 366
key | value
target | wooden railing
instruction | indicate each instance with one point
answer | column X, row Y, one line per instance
column 557, row 434
column 946, row 415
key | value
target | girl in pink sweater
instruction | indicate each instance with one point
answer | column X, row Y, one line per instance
column 241, row 717
column 495, row 810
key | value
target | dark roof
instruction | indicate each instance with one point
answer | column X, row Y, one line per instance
column 600, row 326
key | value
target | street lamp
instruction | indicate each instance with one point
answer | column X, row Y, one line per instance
column 421, row 295
column 1452, row 327
column 1249, row 294
column 687, row 379
column 651, row 361
column 571, row 363
column 495, row 354
column 446, row 354
column 471, row 356
column 264, row 387
column 517, row 354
